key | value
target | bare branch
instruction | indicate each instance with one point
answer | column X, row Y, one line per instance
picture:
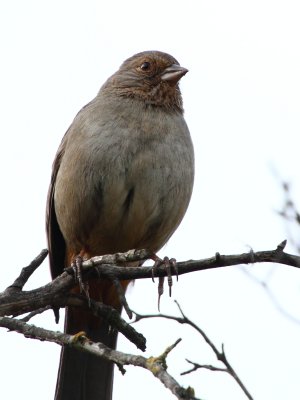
column 156, row 365
column 221, row 356
column 18, row 303
column 55, row 292
column 101, row 267
column 27, row 272
column 111, row 315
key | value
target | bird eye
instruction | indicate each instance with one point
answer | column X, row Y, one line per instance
column 145, row 66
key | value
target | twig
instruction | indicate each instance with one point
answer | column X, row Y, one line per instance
column 121, row 295
column 205, row 366
column 273, row 298
column 34, row 313
column 290, row 213
column 221, row 356
column 27, row 272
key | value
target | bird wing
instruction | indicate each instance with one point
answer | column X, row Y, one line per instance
column 56, row 242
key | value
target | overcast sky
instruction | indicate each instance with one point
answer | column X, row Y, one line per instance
column 242, row 100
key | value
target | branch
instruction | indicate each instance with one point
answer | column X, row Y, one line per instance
column 99, row 265
column 156, row 365
column 221, row 356
column 56, row 294
column 111, row 315
column 14, row 301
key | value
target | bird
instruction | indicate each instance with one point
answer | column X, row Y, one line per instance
column 122, row 179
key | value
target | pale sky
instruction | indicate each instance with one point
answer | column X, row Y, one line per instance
column 242, row 101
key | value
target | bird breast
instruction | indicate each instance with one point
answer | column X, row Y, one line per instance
column 123, row 182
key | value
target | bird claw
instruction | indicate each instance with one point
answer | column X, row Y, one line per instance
column 168, row 263
column 79, row 337
column 77, row 268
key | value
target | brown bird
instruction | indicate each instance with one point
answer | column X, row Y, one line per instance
column 122, row 179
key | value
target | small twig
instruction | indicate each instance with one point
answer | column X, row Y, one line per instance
column 163, row 357
column 290, row 213
column 170, row 348
column 121, row 295
column 27, row 272
column 205, row 366
column 34, row 313
column 273, row 298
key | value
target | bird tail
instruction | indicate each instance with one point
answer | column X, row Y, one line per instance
column 84, row 376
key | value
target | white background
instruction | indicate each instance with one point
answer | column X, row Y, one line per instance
column 242, row 101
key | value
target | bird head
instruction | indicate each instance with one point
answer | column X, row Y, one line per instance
column 151, row 77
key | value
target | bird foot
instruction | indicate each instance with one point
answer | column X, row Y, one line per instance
column 77, row 268
column 79, row 337
column 168, row 264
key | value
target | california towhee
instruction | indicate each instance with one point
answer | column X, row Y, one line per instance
column 122, row 179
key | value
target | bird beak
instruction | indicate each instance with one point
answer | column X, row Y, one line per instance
column 173, row 73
